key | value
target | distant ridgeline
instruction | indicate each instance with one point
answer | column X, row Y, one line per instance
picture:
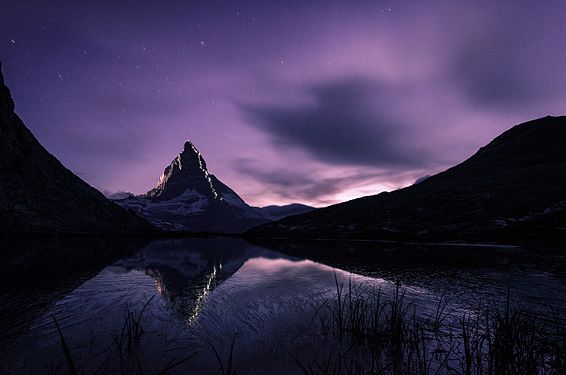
column 39, row 195
column 514, row 188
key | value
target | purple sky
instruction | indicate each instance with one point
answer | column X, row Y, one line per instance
column 288, row 101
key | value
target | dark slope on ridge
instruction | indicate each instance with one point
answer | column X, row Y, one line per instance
column 515, row 186
column 39, row 195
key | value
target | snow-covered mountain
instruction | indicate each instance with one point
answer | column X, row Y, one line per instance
column 189, row 198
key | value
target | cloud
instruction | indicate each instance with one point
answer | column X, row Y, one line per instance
column 291, row 185
column 490, row 73
column 350, row 123
column 306, row 186
column 510, row 63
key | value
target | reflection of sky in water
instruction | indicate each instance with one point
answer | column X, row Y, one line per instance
column 264, row 299
column 289, row 276
column 270, row 304
column 209, row 291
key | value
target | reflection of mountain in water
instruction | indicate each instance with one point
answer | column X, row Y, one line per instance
column 223, row 286
column 186, row 270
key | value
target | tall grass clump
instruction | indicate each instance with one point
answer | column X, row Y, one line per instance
column 378, row 335
column 122, row 357
column 360, row 330
column 229, row 368
column 132, row 328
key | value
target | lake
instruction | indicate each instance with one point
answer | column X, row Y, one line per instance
column 205, row 305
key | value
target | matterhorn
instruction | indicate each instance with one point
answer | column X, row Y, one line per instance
column 189, row 198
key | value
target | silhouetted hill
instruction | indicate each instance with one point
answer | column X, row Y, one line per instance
column 513, row 187
column 39, row 195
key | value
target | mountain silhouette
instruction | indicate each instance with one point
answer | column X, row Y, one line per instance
column 513, row 187
column 39, row 195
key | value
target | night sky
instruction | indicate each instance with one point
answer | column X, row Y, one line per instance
column 288, row 101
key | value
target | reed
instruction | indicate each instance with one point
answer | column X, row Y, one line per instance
column 387, row 336
column 360, row 331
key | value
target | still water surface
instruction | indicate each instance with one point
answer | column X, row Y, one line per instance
column 201, row 293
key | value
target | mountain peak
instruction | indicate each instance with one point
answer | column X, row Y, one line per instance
column 188, row 197
column 187, row 171
column 189, row 146
column 190, row 151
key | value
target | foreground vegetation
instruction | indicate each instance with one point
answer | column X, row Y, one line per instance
column 370, row 334
column 360, row 331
